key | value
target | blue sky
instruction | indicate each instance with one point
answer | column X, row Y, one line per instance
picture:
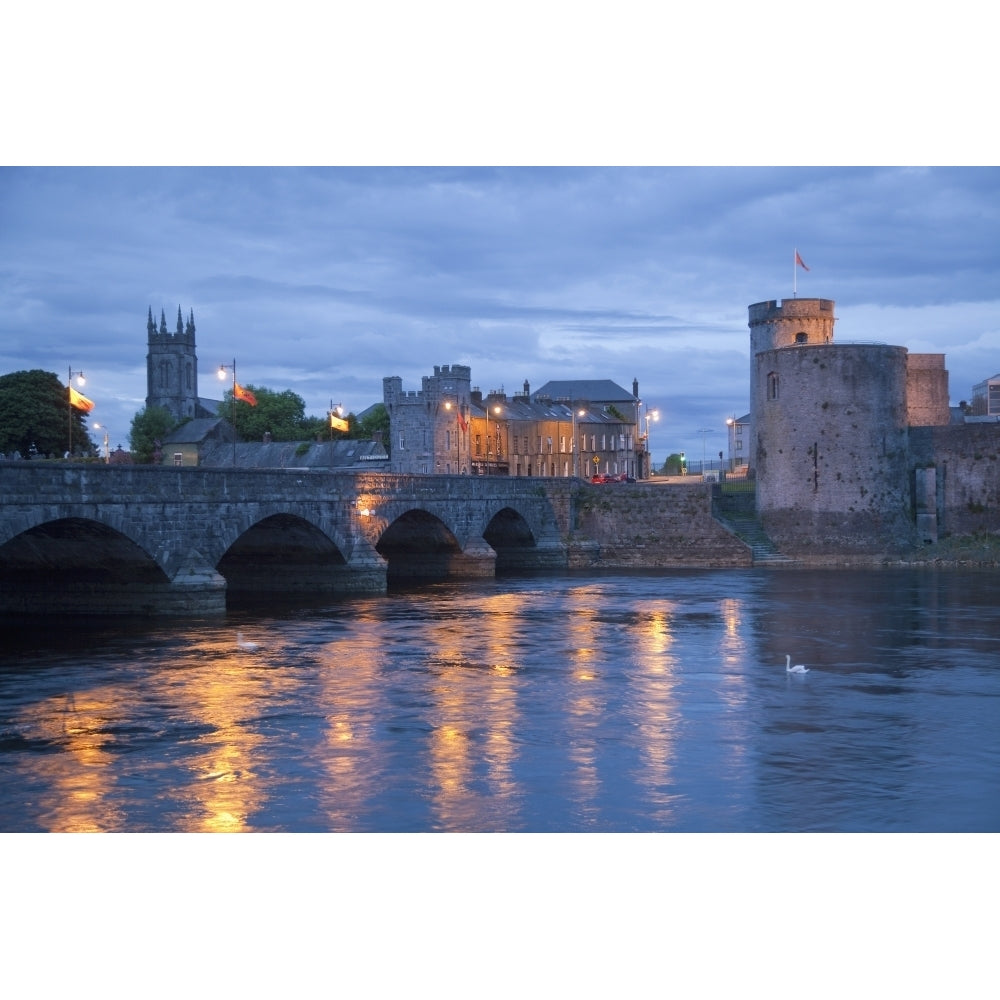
column 325, row 280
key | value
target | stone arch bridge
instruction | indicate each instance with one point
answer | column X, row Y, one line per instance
column 89, row 539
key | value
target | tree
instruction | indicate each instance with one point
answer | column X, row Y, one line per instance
column 35, row 410
column 281, row 413
column 149, row 426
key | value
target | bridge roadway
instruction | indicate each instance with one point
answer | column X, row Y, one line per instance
column 97, row 539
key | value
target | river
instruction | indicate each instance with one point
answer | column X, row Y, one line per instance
column 620, row 702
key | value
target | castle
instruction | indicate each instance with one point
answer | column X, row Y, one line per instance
column 852, row 443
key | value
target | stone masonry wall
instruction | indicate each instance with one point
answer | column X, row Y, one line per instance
column 966, row 460
column 649, row 527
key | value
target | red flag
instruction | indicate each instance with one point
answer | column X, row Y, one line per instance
column 80, row 401
column 245, row 394
column 800, row 261
column 461, row 421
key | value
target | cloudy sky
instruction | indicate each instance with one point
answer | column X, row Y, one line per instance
column 325, row 280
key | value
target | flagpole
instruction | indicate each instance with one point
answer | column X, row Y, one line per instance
column 795, row 273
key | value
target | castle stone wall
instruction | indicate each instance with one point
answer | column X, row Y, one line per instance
column 965, row 459
column 831, row 447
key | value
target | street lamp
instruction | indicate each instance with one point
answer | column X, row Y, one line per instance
column 80, row 380
column 496, row 409
column 704, row 432
column 653, row 415
column 222, row 377
column 335, row 414
column 576, row 450
column 107, row 449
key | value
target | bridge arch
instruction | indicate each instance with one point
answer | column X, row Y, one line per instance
column 78, row 564
column 281, row 552
column 417, row 544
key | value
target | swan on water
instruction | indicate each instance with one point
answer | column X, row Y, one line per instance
column 246, row 644
column 797, row 669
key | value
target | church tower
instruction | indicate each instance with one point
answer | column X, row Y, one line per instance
column 172, row 366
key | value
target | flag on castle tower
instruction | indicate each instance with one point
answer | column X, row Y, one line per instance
column 461, row 421
column 245, row 394
column 78, row 400
column 800, row 261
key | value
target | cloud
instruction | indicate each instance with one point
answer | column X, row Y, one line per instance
column 326, row 280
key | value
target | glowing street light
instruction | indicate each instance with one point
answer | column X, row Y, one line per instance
column 222, row 377
column 653, row 415
column 107, row 448
column 497, row 411
column 576, row 450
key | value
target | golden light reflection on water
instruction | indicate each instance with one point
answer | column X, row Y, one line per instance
column 585, row 703
column 474, row 718
column 653, row 693
column 351, row 692
column 217, row 691
column 80, row 783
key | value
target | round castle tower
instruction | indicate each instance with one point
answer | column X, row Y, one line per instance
column 829, row 432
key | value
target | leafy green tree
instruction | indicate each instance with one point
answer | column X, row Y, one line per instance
column 35, row 410
column 281, row 413
column 149, row 426
column 674, row 465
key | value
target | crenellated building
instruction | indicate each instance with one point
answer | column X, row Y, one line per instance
column 450, row 427
column 841, row 437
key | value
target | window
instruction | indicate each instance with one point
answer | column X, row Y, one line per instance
column 178, row 458
column 479, row 444
column 801, row 337
column 562, row 444
column 447, row 440
column 772, row 385
column 402, row 442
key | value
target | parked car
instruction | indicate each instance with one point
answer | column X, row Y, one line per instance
column 622, row 478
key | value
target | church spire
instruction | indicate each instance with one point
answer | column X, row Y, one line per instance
column 163, row 323
column 180, row 322
column 189, row 329
column 150, row 325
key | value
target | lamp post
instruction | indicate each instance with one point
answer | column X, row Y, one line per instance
column 80, row 380
column 653, row 415
column 575, row 449
column 336, row 410
column 496, row 409
column 704, row 432
column 107, row 449
column 222, row 375
column 731, row 442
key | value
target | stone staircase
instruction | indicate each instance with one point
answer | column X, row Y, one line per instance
column 736, row 512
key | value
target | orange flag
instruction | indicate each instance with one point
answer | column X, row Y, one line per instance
column 78, row 400
column 245, row 394
column 800, row 261
column 338, row 423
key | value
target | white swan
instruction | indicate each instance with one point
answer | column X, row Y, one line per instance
column 246, row 644
column 797, row 669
